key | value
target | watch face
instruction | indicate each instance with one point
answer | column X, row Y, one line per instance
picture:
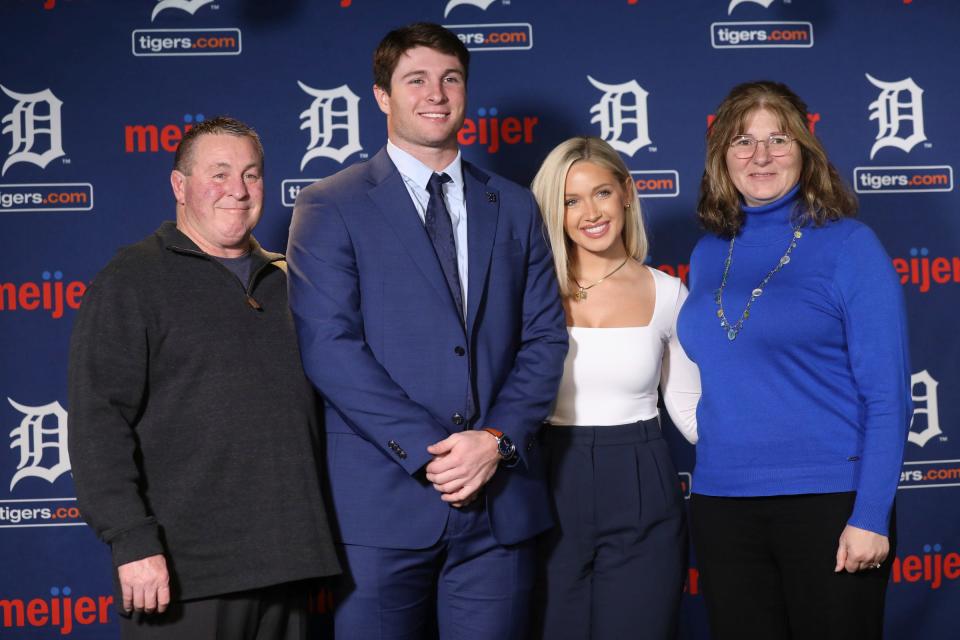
column 506, row 448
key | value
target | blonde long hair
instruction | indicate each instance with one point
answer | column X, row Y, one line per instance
column 548, row 188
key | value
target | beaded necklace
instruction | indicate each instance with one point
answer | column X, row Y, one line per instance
column 734, row 329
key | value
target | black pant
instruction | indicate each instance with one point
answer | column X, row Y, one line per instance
column 270, row 613
column 766, row 569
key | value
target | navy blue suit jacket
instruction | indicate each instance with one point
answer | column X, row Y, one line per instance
column 382, row 340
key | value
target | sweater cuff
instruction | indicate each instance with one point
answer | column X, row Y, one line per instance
column 871, row 516
column 136, row 543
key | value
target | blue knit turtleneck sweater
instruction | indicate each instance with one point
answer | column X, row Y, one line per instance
column 813, row 395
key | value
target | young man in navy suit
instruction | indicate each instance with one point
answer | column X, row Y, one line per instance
column 427, row 309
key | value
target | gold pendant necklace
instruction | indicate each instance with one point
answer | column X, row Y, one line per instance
column 581, row 293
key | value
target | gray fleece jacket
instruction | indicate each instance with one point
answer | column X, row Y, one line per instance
column 193, row 429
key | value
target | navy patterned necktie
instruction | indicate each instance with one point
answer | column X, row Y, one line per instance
column 440, row 229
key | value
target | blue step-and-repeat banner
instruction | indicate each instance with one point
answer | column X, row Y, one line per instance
column 96, row 94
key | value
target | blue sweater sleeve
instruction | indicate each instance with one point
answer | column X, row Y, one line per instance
column 874, row 318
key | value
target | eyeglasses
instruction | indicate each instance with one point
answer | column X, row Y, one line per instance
column 778, row 144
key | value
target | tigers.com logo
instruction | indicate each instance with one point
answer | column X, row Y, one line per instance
column 220, row 41
column 755, row 35
column 34, row 125
column 488, row 36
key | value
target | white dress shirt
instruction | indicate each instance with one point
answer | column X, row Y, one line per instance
column 415, row 176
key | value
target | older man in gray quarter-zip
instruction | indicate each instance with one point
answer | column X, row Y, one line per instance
column 192, row 426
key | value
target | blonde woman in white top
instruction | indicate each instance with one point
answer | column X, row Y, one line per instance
column 614, row 566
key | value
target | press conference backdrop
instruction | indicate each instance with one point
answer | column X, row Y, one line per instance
column 94, row 97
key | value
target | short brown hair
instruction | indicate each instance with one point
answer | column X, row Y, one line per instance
column 824, row 195
column 418, row 34
column 220, row 125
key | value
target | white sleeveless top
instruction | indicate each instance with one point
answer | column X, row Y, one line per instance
column 611, row 375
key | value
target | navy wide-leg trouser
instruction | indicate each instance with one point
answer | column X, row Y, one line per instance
column 616, row 564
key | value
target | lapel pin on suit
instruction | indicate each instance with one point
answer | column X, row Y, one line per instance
column 491, row 197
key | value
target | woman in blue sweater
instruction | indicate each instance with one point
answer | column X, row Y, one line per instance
column 797, row 323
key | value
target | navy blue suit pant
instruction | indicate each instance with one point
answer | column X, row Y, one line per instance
column 465, row 587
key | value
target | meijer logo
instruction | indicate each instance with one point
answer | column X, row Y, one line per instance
column 924, row 271
column 152, row 138
column 51, row 295
column 489, row 129
column 932, row 567
column 61, row 610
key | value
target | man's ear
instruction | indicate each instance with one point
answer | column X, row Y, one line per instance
column 382, row 96
column 177, row 182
